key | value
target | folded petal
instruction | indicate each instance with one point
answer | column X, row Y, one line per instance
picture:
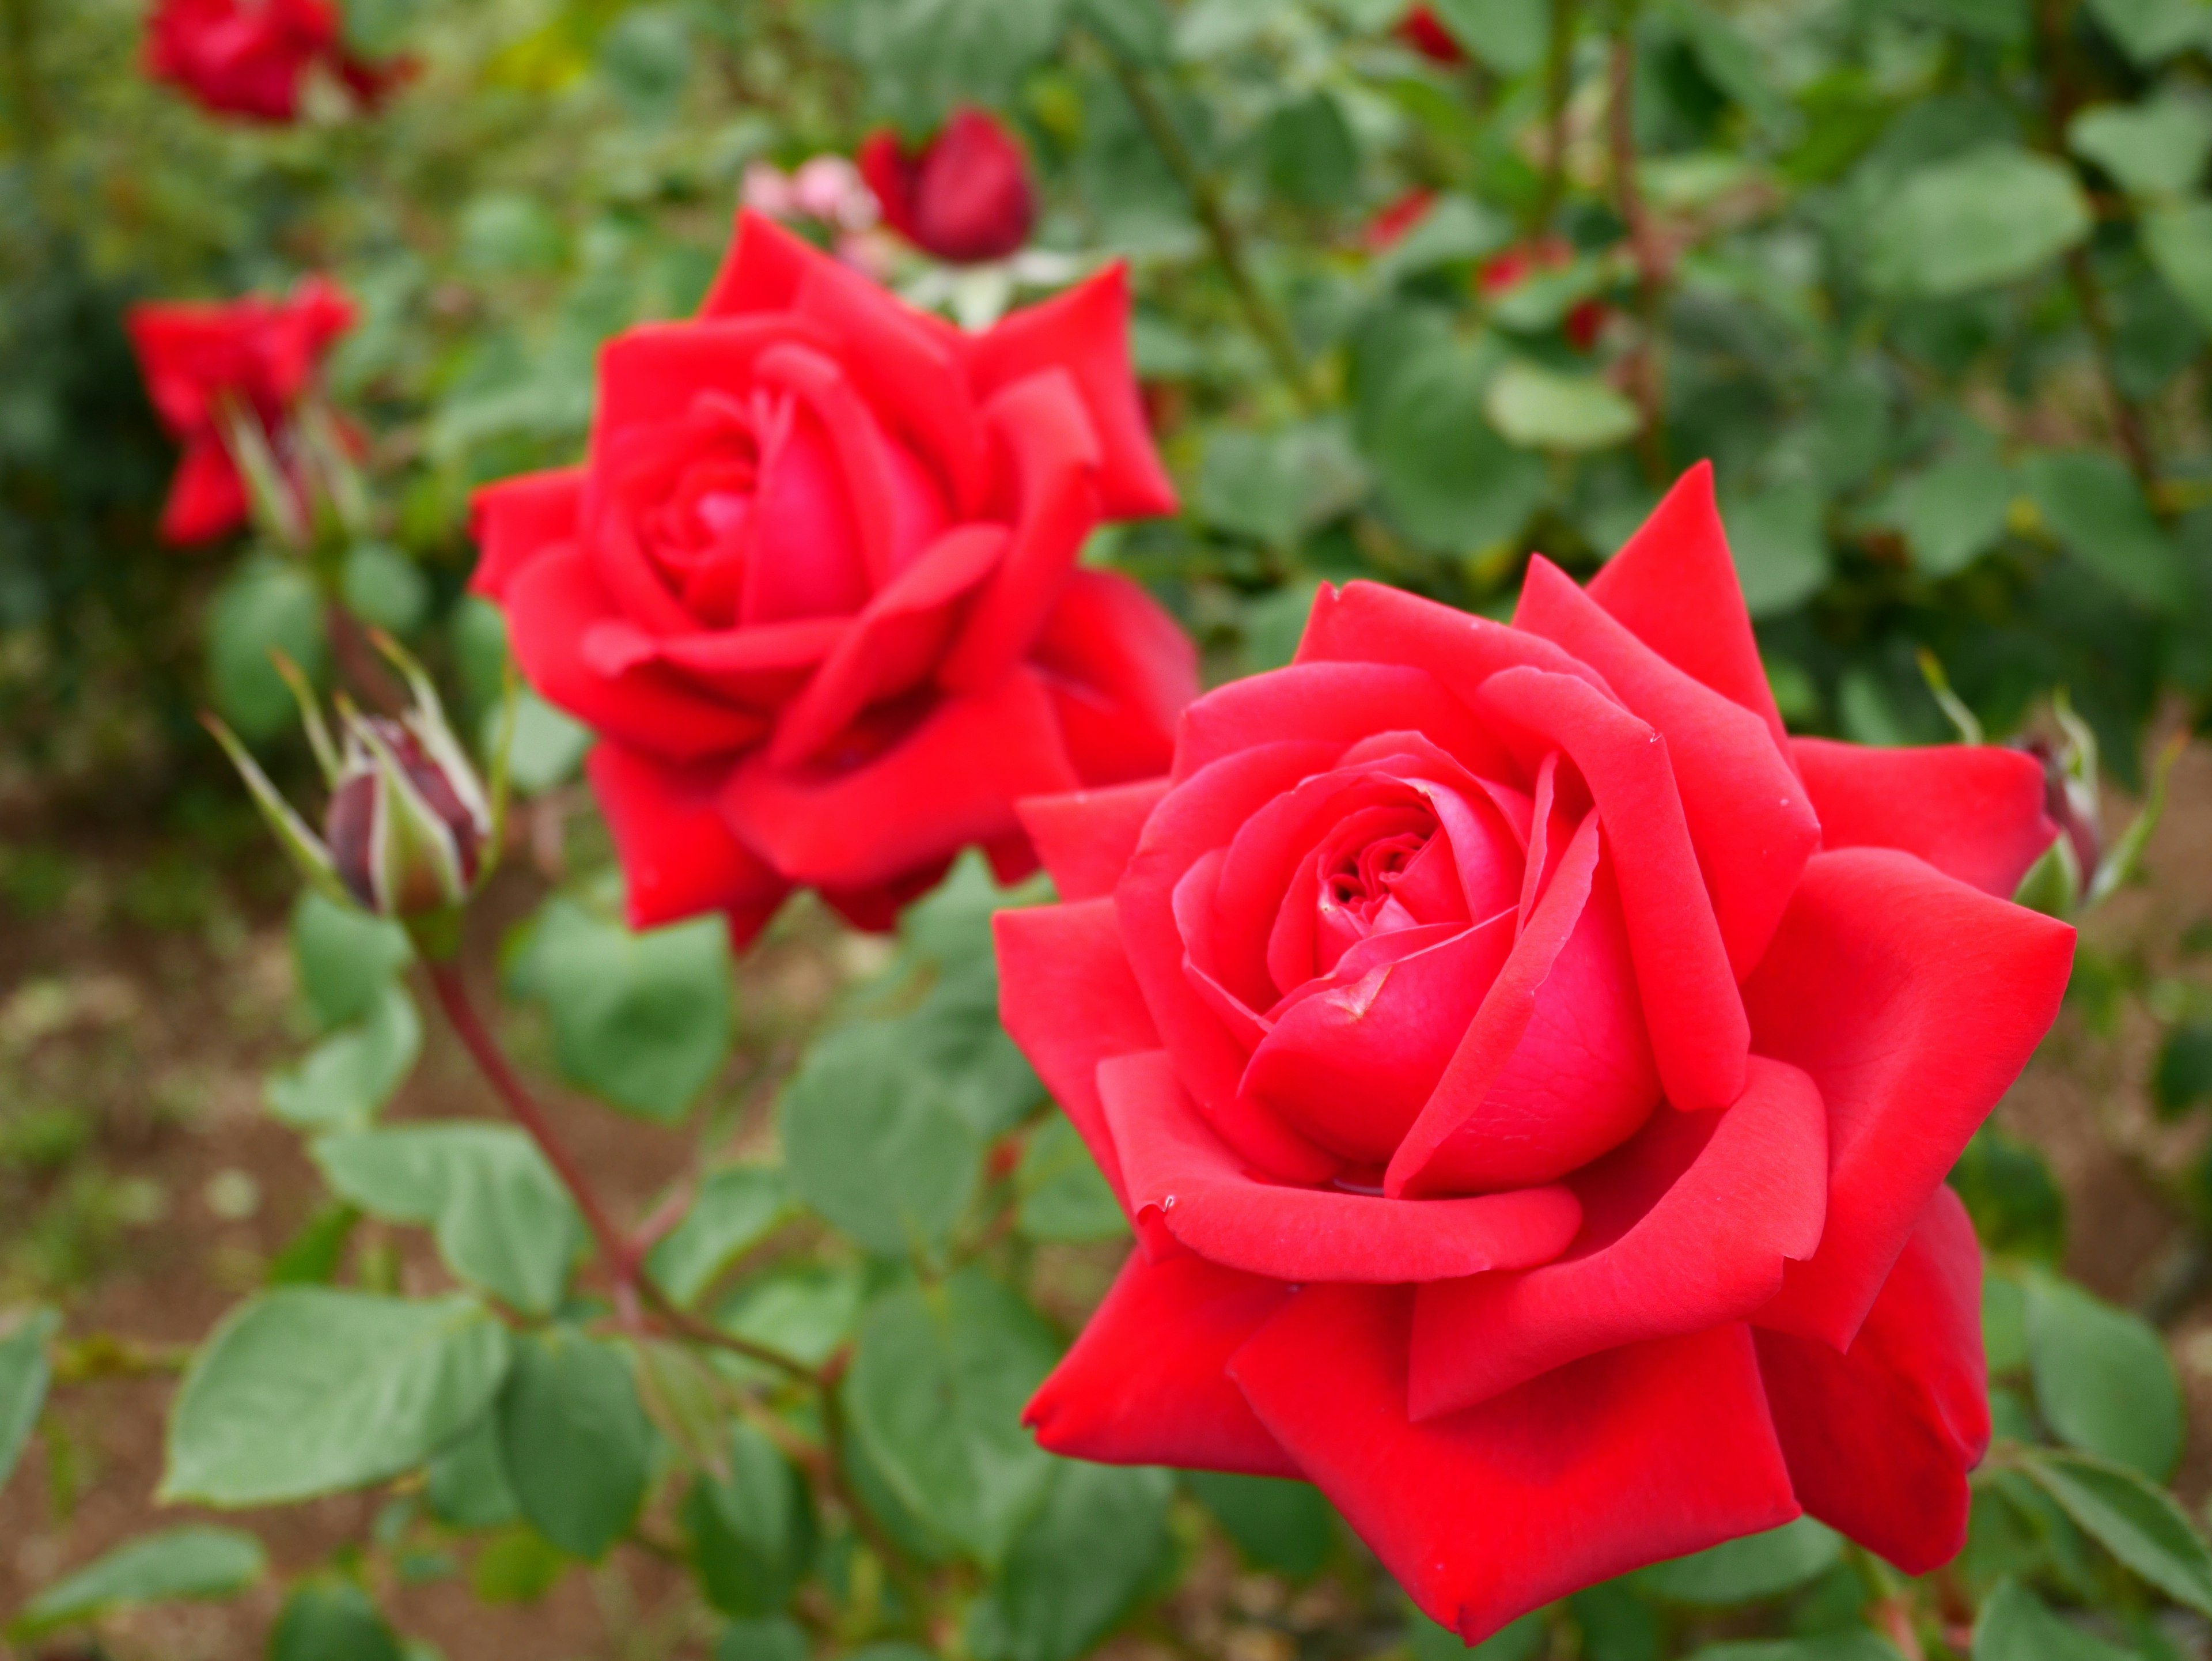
column 1182, row 1178
column 1069, row 1002
column 762, row 270
column 1624, row 1459
column 1086, row 838
column 1748, row 817
column 1368, row 623
column 206, row 498
column 1913, row 1001
column 1121, row 673
column 1880, row 1439
column 1691, row 1004
column 1685, row 1228
column 1972, row 812
column 1146, row 1382
column 678, row 858
column 1339, row 702
column 515, row 520
column 1674, row 584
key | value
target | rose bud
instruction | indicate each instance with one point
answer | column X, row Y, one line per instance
column 411, row 831
column 1423, row 31
column 251, row 58
column 965, row 198
column 1529, row 1075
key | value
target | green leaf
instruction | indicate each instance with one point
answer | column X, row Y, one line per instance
column 383, row 587
column 777, row 1638
column 1454, row 227
column 1509, row 35
column 25, row 1372
column 1447, row 478
column 263, row 604
column 2178, row 240
column 2096, row 509
column 2141, row 1525
column 1285, row 1526
column 2182, row 1078
column 641, row 1021
column 549, row 743
column 1953, row 512
column 2103, row 1379
column 575, row 1440
column 1860, row 1645
column 501, row 1220
column 2016, row 1626
column 922, row 57
column 2154, row 149
column 331, row 1619
column 1277, row 487
column 1542, row 408
column 738, row 1208
column 2151, row 31
column 195, row 1561
column 872, row 1143
column 752, row 1534
column 936, row 1391
column 467, row 1479
column 309, row 1389
column 804, row 1310
column 313, row 1255
column 1140, row 30
column 517, row 1566
column 353, row 1072
column 1756, row 1566
column 1307, row 148
column 2015, row 1202
column 1524, row 1640
column 1097, row 1540
column 1781, row 551
column 345, row 957
column 1994, row 214
column 1063, row 1194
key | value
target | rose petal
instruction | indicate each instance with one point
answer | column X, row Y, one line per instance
column 1146, row 1384
column 518, row 518
column 763, row 271
column 1338, row 701
column 1913, row 1001
column 807, row 558
column 1972, row 812
column 1880, row 1439
column 1086, row 838
column 1195, row 1187
column 1622, row 1459
column 677, row 855
column 1685, row 1228
column 1368, row 623
column 760, row 667
column 207, row 496
column 1121, row 673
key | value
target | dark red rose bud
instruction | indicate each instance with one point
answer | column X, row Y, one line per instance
column 965, row 197
column 2070, row 807
column 1421, row 29
column 395, row 856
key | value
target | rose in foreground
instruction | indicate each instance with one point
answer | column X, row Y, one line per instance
column 815, row 585
column 964, row 197
column 1532, row 1076
column 230, row 375
column 251, row 58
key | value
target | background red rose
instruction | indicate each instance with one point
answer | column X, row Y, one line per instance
column 964, row 197
column 258, row 355
column 815, row 585
column 1531, row 1077
column 249, row 57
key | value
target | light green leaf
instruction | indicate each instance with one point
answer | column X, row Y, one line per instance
column 383, row 587
column 501, row 1217
column 1138, row 29
column 1781, row 551
column 264, row 603
column 641, row 1021
column 2103, row 1379
column 1542, row 409
column 2138, row 1522
column 549, row 746
column 1063, row 1194
column 307, row 1389
column 575, row 1440
column 1097, row 1540
column 1447, row 478
column 2178, row 240
column 936, row 1391
column 25, row 1372
column 736, row 1208
column 2016, row 1626
column 2151, row 31
column 353, row 1072
column 1276, row 487
column 195, row 1561
column 804, row 1310
column 922, row 57
column 1994, row 214
column 1508, row 36
column 1284, row 1526
column 332, row 1620
column 1454, row 227
column 2153, row 148
column 344, row 957
column 2095, row 508
column 752, row 1532
column 1756, row 1566
column 1953, row 512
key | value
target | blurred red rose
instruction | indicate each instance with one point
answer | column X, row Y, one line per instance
column 815, row 587
column 1504, row 273
column 1389, row 227
column 1531, row 1077
column 203, row 361
column 965, row 197
column 248, row 57
column 1421, row 29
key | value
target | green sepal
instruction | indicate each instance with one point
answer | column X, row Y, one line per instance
column 304, row 848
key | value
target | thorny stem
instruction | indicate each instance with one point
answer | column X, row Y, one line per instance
column 1559, row 85
column 1228, row 245
column 1645, row 366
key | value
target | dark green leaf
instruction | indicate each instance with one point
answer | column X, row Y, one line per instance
column 2178, row 240
column 1280, row 1525
column 922, row 57
column 1453, row 228
column 737, row 1208
column 2139, row 1523
column 345, row 957
column 25, row 1373
column 2014, row 1200
column 936, row 1391
column 2016, row 1626
column 2102, row 1378
column 194, row 1561
column 2183, row 1077
column 1276, row 487
column 1509, row 35
column 1860, row 1645
column 1138, row 29
column 804, row 1310
column 1953, row 512
column 777, row 1638
column 1781, row 554
column 2096, row 509
column 575, row 1440
column 1446, row 476
column 309, row 1389
column 349, row 1076
column 468, row 1487
column 1756, row 1566
column 1063, row 1196
column 1075, row 1569
column 752, row 1535
column 501, row 1217
column 263, row 604
column 332, row 1621
column 1994, row 214
column 1309, row 150
column 1525, row 1640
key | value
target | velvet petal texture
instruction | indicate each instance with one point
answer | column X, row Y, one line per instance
column 1972, row 812
column 1628, row 1457
column 1881, row 1438
column 1086, row 838
column 676, row 849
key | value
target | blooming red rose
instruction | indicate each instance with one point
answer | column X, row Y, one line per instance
column 206, row 364
column 1503, row 273
column 965, row 197
column 249, row 57
column 1423, row 31
column 1532, row 1076
column 816, row 585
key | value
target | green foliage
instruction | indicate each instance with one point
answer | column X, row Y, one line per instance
column 25, row 1373
column 194, row 1561
column 1098, row 1539
column 332, row 1621
column 1280, row 1525
column 752, row 1528
column 2102, row 1378
column 1756, row 1566
column 736, row 1208
column 574, row 1440
column 346, row 1080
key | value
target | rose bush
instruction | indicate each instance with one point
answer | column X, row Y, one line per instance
column 816, row 585
column 963, row 196
column 1532, row 1076
column 252, row 58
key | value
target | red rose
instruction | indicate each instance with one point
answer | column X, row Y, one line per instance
column 1503, row 273
column 1421, row 29
column 1391, row 225
column 249, row 56
column 965, row 197
column 255, row 356
column 815, row 587
column 1528, row 1072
